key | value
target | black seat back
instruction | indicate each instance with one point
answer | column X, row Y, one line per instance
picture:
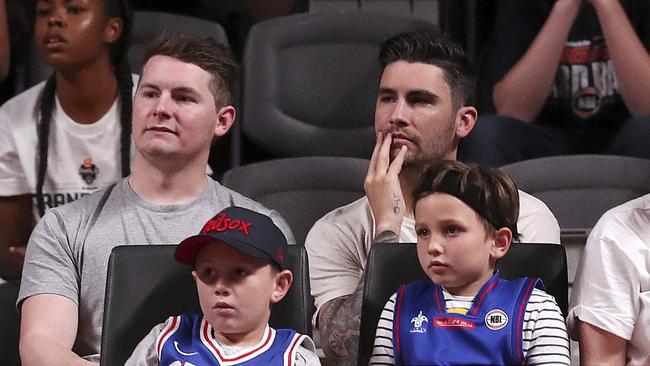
column 391, row 265
column 145, row 285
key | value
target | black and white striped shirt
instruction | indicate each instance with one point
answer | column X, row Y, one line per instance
column 544, row 335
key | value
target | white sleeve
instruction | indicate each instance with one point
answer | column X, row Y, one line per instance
column 544, row 335
column 610, row 277
column 145, row 353
column 536, row 222
column 382, row 351
column 12, row 177
column 334, row 269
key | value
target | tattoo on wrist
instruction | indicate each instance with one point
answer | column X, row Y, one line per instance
column 396, row 200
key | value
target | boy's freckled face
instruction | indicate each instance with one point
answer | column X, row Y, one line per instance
column 453, row 247
column 234, row 291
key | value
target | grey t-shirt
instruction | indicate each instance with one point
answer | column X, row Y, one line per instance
column 68, row 250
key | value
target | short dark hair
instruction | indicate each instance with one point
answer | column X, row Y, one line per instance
column 204, row 52
column 439, row 50
column 489, row 191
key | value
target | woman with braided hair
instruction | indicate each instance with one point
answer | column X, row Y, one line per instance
column 70, row 135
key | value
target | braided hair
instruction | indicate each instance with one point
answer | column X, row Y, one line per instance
column 118, row 57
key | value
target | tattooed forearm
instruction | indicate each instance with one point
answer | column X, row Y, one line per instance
column 339, row 322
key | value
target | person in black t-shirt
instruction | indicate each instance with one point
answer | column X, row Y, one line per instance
column 568, row 76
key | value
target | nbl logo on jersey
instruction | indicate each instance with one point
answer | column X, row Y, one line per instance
column 88, row 171
column 496, row 319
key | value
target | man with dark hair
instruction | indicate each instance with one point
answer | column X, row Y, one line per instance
column 182, row 103
column 423, row 109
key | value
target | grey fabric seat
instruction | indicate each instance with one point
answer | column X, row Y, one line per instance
column 148, row 24
column 301, row 189
column 145, row 285
column 580, row 188
column 310, row 82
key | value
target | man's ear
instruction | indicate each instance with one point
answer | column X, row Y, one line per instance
column 501, row 243
column 113, row 30
column 225, row 119
column 465, row 120
column 283, row 280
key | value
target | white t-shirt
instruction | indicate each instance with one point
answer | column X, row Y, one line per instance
column 612, row 287
column 544, row 336
column 82, row 158
column 339, row 243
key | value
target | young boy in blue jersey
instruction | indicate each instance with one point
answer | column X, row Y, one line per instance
column 239, row 269
column 465, row 220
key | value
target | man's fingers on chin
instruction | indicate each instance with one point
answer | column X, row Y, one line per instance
column 399, row 159
column 372, row 166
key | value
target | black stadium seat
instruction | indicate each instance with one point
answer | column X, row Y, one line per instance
column 390, row 265
column 145, row 285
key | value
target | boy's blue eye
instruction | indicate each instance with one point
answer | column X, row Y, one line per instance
column 207, row 275
column 422, row 233
column 241, row 272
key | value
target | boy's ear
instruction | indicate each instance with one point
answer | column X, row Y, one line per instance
column 283, row 280
column 194, row 276
column 502, row 239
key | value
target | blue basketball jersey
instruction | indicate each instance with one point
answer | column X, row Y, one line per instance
column 188, row 341
column 424, row 333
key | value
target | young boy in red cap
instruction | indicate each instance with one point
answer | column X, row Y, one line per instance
column 239, row 269
column 465, row 220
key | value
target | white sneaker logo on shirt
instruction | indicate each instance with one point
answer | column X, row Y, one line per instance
column 183, row 353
